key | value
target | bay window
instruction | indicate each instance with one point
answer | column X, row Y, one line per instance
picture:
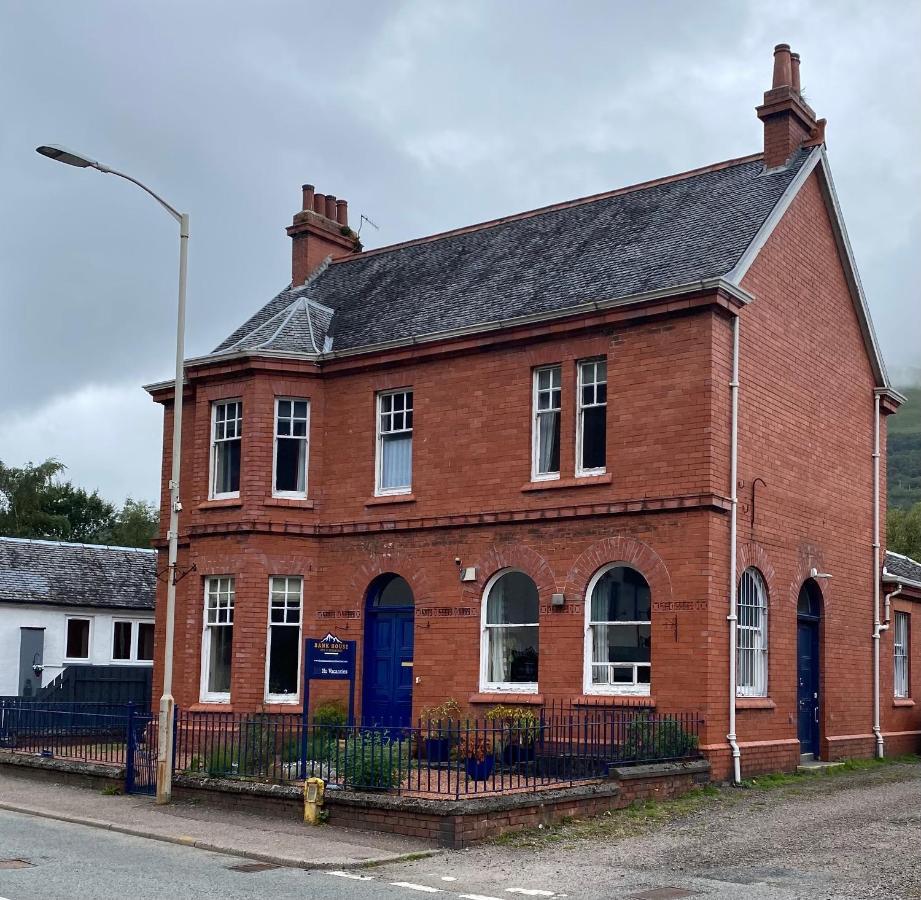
column 284, row 639
column 510, row 634
column 226, row 445
column 292, row 429
column 217, row 638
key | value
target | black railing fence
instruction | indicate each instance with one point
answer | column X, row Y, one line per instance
column 511, row 749
column 447, row 757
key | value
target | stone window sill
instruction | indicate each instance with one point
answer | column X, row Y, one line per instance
column 391, row 498
column 755, row 703
column 500, row 697
column 557, row 483
column 636, row 700
column 291, row 502
column 903, row 701
column 228, row 503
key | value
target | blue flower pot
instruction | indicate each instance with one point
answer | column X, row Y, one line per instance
column 438, row 749
column 480, row 771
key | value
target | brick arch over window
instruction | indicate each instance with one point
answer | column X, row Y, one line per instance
column 620, row 549
column 392, row 561
column 810, row 557
column 511, row 556
column 755, row 556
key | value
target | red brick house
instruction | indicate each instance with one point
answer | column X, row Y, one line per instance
column 591, row 452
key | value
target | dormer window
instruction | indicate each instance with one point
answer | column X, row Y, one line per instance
column 226, row 445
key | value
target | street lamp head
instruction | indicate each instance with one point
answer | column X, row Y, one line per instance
column 61, row 154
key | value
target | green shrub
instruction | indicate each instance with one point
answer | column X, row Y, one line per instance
column 648, row 738
column 369, row 759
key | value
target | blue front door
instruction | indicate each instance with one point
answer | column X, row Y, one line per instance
column 807, row 691
column 388, row 675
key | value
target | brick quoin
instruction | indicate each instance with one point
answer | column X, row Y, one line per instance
column 805, row 430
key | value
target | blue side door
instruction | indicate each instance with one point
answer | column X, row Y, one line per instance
column 807, row 691
column 388, row 674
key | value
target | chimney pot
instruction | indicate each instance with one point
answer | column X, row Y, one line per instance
column 319, row 204
column 794, row 70
column 783, row 75
column 308, row 196
column 342, row 212
column 330, row 207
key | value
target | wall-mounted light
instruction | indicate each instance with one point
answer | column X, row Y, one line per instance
column 815, row 573
column 557, row 600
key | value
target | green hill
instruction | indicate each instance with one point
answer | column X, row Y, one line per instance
column 904, row 452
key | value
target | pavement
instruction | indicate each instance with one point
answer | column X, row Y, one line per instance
column 271, row 839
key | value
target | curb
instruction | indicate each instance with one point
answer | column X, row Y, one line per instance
column 290, row 862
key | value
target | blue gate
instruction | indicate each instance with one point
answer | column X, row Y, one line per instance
column 140, row 753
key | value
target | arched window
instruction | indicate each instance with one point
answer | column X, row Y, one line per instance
column 618, row 634
column 389, row 590
column 510, row 643
column 752, row 636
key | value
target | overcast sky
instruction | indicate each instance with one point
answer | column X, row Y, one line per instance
column 423, row 115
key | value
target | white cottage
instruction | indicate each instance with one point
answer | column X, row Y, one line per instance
column 76, row 620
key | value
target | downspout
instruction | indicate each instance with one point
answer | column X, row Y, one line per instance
column 733, row 510
column 877, row 627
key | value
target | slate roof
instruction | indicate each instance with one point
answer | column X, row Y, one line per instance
column 62, row 574
column 663, row 235
column 903, row 566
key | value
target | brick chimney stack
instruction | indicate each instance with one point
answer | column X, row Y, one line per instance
column 789, row 122
column 319, row 230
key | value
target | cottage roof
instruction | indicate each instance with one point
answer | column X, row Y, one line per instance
column 63, row 574
column 898, row 566
column 665, row 234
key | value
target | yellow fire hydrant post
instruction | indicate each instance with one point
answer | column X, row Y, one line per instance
column 313, row 800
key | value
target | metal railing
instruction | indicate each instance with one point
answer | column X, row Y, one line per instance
column 511, row 750
column 558, row 746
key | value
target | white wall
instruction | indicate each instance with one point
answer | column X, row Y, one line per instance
column 53, row 619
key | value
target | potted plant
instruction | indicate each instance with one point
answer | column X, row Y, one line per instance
column 519, row 728
column 435, row 723
column 476, row 749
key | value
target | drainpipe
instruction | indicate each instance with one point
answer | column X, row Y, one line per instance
column 889, row 596
column 877, row 627
column 733, row 510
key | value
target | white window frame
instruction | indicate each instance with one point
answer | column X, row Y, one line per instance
column 294, row 495
column 294, row 698
column 637, row 688
column 213, row 445
column 536, row 474
column 901, row 665
column 135, row 639
column 205, row 695
column 580, row 418
column 89, row 639
column 379, row 442
column 752, row 583
column 503, row 687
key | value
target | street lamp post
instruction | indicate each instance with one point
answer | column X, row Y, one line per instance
column 165, row 737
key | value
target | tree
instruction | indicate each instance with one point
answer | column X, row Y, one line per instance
column 34, row 505
column 903, row 531
column 136, row 524
column 23, row 493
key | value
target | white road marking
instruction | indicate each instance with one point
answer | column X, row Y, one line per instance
column 351, row 875
column 530, row 892
column 417, row 887
column 448, row 878
column 477, row 897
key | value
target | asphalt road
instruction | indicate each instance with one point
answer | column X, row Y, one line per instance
column 850, row 836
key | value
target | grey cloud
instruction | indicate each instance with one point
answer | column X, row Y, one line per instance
column 424, row 115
